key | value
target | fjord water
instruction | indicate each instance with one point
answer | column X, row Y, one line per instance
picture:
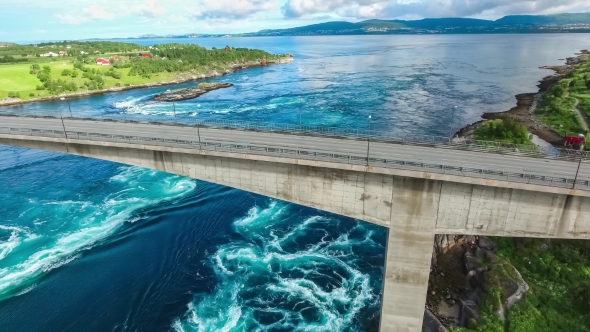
column 92, row 245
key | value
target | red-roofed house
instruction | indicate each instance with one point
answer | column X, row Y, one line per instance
column 115, row 58
column 62, row 53
column 103, row 62
column 144, row 54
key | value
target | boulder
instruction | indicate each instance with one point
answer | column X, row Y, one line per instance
column 431, row 324
column 486, row 243
column 491, row 257
column 470, row 261
column 469, row 311
column 522, row 288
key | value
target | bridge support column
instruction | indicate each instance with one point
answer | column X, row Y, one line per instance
column 414, row 212
column 407, row 269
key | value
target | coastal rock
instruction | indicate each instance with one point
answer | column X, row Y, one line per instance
column 523, row 287
column 431, row 324
column 9, row 100
column 470, row 261
column 469, row 312
column 486, row 243
column 190, row 93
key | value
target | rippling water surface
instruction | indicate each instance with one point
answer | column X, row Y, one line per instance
column 97, row 246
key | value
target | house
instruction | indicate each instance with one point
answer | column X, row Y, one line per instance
column 49, row 54
column 103, row 62
column 145, row 54
column 63, row 53
column 69, row 46
column 227, row 48
column 82, row 52
column 114, row 58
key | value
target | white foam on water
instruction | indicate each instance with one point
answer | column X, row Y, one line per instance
column 286, row 296
column 88, row 222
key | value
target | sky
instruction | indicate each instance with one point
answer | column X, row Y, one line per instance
column 36, row 20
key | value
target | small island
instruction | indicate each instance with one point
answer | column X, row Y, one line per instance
column 190, row 93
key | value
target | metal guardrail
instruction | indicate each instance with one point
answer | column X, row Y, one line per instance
column 374, row 135
column 422, row 140
column 355, row 159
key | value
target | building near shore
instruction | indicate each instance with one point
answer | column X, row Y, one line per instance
column 103, row 62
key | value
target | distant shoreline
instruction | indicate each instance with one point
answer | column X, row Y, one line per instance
column 189, row 78
column 527, row 103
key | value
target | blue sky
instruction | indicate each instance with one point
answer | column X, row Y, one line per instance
column 35, row 20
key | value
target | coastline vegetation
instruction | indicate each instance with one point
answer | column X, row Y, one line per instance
column 559, row 103
column 28, row 72
column 503, row 130
column 558, row 274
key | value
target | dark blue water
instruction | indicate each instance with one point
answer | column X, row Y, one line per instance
column 87, row 245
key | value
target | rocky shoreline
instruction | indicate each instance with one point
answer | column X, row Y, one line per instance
column 182, row 78
column 526, row 104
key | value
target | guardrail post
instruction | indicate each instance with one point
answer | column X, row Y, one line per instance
column 577, row 171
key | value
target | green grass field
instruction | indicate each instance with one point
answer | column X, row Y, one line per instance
column 16, row 78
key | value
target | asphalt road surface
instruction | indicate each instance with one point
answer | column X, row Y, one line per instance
column 490, row 161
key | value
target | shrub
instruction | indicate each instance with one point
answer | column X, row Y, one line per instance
column 31, row 94
column 66, row 72
column 74, row 73
column 507, row 130
column 14, row 95
column 559, row 92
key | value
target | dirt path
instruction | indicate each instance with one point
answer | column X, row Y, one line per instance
column 582, row 118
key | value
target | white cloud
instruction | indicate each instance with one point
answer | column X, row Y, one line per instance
column 152, row 8
column 96, row 12
column 71, row 18
column 231, row 9
column 90, row 13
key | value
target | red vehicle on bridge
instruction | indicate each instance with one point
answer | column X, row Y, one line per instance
column 575, row 141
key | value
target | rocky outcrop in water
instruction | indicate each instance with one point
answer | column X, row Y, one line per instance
column 190, row 93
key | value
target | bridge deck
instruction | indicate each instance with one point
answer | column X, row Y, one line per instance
column 517, row 165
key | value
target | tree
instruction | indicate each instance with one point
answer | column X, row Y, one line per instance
column 74, row 73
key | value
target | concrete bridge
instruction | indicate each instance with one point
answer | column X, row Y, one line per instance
column 414, row 191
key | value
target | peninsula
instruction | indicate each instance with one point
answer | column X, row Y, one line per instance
column 49, row 71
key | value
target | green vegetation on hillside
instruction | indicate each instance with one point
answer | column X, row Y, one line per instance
column 25, row 74
column 503, row 130
column 558, row 103
column 173, row 58
column 558, row 273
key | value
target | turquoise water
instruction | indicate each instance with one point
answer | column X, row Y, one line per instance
column 96, row 246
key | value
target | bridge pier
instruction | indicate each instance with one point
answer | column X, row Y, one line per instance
column 407, row 269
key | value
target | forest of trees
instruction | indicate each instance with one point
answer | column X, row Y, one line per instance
column 188, row 57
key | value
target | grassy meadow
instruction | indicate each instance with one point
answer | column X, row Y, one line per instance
column 16, row 77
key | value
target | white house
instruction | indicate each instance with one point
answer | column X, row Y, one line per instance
column 49, row 54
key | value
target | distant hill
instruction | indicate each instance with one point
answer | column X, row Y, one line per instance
column 582, row 18
column 559, row 23
column 507, row 24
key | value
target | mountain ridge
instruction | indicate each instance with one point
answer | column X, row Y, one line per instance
column 556, row 23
